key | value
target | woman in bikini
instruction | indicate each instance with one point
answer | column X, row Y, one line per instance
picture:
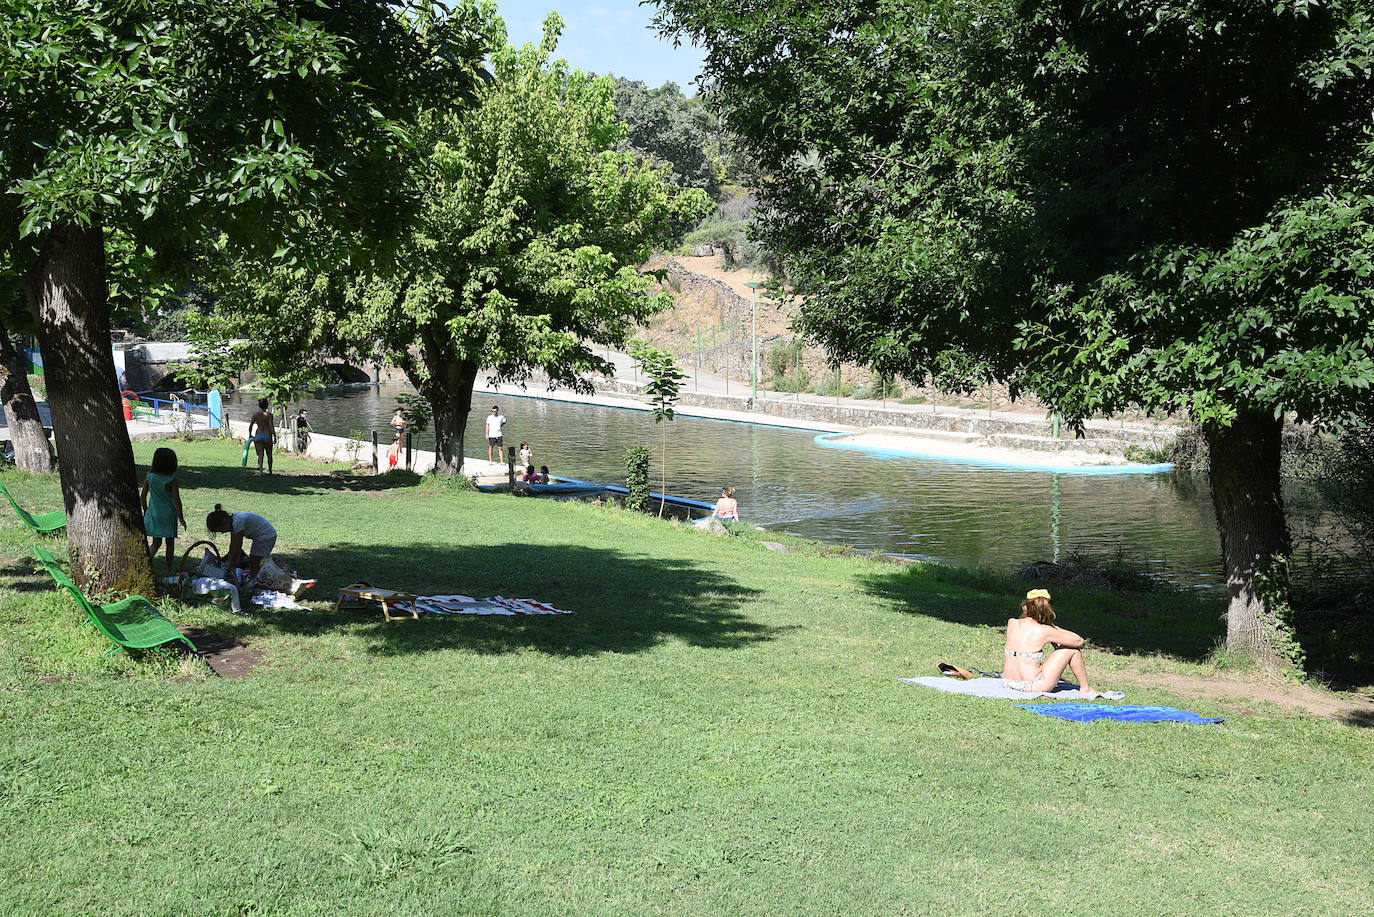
column 263, row 429
column 1026, row 667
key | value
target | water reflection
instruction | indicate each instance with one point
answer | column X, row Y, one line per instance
column 957, row 513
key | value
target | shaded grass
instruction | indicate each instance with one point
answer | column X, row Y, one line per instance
column 715, row 730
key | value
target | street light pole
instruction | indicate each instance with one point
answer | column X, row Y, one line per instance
column 753, row 286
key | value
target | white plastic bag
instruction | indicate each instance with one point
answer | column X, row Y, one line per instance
column 272, row 575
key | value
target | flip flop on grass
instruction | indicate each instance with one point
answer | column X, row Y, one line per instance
column 953, row 671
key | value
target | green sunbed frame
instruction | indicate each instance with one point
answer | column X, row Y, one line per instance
column 132, row 623
column 43, row 522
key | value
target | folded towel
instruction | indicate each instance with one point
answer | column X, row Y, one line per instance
column 993, row 687
column 1121, row 713
column 467, row 605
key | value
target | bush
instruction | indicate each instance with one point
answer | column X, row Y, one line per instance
column 1146, row 455
column 1307, row 453
column 1083, row 570
column 1348, row 489
column 782, row 357
column 799, row 380
column 878, row 388
column 637, row 477
column 826, row 387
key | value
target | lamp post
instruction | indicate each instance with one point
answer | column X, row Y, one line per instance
column 753, row 286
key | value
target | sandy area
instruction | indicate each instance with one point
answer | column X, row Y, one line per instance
column 953, row 449
column 709, row 266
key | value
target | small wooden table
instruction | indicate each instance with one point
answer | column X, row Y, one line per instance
column 381, row 597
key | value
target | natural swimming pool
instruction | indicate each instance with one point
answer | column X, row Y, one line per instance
column 952, row 512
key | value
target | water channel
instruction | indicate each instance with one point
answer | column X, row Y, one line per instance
column 956, row 513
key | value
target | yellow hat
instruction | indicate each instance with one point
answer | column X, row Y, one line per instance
column 1038, row 594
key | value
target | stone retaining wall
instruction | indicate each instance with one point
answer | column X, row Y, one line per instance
column 1102, row 437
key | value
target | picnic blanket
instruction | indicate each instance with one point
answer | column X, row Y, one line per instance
column 467, row 605
column 993, row 687
column 1121, row 713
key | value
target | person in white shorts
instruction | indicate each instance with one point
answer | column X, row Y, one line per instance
column 262, row 537
column 495, row 421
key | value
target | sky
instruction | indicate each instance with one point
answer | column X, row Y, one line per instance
column 606, row 36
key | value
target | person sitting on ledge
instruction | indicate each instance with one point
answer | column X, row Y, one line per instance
column 543, row 475
column 1026, row 667
column 726, row 509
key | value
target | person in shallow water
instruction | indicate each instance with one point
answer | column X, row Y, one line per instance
column 1026, row 667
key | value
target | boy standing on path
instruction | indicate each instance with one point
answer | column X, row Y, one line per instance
column 495, row 422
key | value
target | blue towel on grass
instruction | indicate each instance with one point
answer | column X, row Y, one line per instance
column 1121, row 713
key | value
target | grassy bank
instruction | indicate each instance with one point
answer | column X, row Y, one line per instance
column 715, row 730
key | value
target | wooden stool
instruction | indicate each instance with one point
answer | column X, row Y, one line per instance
column 381, row 597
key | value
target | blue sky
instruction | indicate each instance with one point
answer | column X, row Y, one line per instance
column 609, row 36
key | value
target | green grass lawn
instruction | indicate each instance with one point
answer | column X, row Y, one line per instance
column 716, row 730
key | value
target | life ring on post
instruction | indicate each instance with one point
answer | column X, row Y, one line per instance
column 127, row 400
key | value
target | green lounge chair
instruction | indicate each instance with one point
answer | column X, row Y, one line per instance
column 43, row 522
column 132, row 623
column 50, row 564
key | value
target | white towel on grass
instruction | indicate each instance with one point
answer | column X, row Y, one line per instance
column 467, row 605
column 993, row 687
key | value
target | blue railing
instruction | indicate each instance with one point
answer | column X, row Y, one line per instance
column 146, row 406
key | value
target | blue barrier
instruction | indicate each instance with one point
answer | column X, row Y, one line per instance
column 158, row 407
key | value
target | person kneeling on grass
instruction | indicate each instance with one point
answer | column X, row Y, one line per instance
column 1026, row 667
column 260, row 534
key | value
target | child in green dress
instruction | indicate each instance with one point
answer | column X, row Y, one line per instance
column 162, row 503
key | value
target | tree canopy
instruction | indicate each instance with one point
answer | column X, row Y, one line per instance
column 1114, row 204
column 166, row 124
column 522, row 255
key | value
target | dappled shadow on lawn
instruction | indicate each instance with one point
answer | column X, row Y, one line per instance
column 20, row 574
column 620, row 603
column 1360, row 718
column 1174, row 624
column 293, row 482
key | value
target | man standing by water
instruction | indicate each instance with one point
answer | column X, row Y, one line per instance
column 303, row 429
column 495, row 442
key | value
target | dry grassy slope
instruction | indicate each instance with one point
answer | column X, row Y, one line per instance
column 705, row 294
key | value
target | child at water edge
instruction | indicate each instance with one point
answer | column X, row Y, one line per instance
column 161, row 499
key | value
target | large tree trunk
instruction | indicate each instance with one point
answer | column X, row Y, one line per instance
column 32, row 452
column 449, row 391
column 1245, row 459
column 66, row 291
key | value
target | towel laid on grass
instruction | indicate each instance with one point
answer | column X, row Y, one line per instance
column 467, row 605
column 1121, row 713
column 993, row 687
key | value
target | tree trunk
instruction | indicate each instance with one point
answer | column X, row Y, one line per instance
column 67, row 296
column 32, row 451
column 1246, row 491
column 449, row 391
column 663, row 481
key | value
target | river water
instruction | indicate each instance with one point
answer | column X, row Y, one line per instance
column 955, row 513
